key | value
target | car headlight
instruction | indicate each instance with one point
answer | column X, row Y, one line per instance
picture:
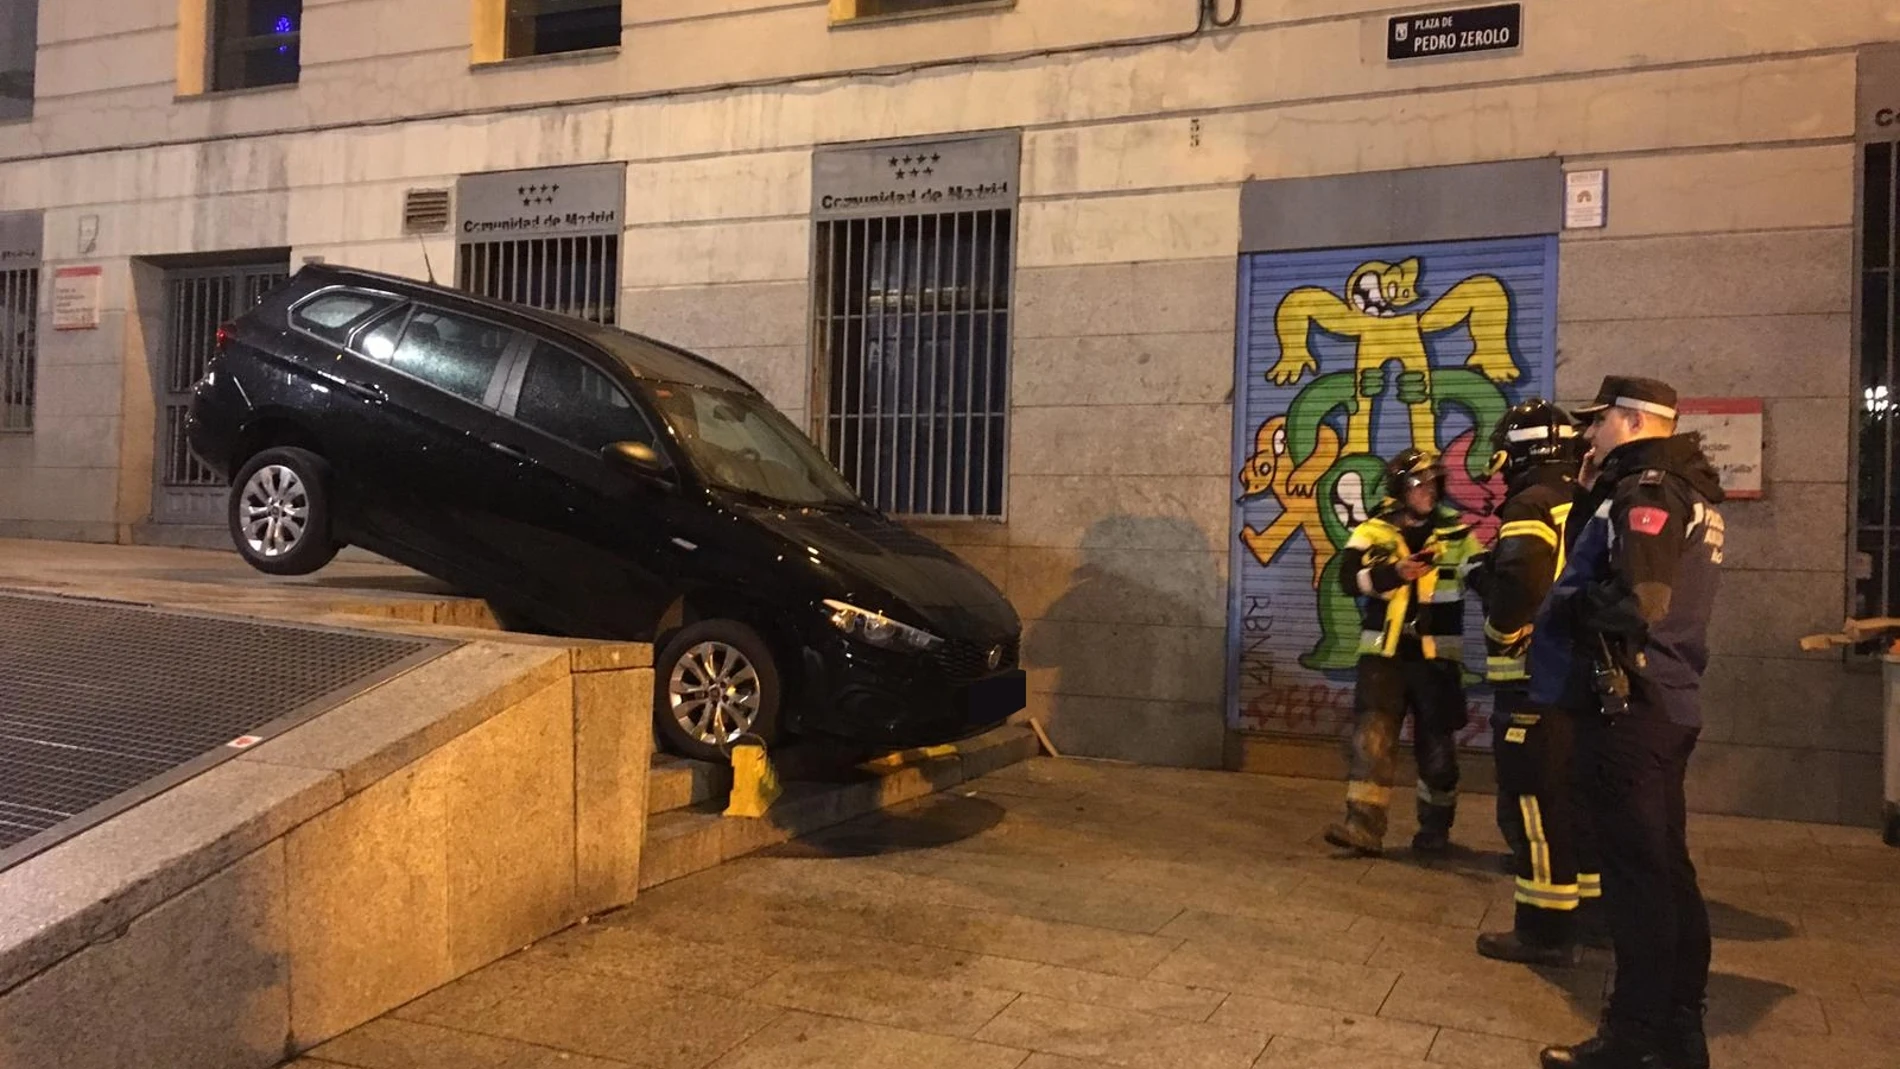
column 879, row 630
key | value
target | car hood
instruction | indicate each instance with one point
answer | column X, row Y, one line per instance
column 885, row 567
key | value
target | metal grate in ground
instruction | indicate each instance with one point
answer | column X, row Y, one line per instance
column 104, row 704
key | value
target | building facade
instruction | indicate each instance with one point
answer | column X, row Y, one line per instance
column 1122, row 301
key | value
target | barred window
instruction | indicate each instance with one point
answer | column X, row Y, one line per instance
column 578, row 276
column 19, row 45
column 19, row 346
column 256, row 43
column 913, row 321
column 1877, row 500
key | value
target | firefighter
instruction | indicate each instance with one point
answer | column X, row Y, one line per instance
column 1620, row 645
column 1537, row 450
column 1407, row 566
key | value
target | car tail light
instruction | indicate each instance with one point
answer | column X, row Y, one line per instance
column 224, row 335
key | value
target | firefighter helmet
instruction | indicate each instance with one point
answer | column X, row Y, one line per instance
column 1535, row 432
column 1413, row 467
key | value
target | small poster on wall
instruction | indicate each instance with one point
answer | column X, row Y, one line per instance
column 76, row 297
column 1731, row 429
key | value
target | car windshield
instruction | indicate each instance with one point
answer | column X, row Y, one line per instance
column 741, row 443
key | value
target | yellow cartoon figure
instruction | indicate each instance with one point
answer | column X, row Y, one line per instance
column 1271, row 471
column 1378, row 313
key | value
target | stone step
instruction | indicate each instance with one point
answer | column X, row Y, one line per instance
column 677, row 782
column 682, row 840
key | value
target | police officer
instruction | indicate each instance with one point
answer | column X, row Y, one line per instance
column 1621, row 644
column 1407, row 566
column 1537, row 449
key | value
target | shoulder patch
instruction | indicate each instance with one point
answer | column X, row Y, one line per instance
column 1648, row 519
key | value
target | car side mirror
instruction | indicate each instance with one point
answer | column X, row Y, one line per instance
column 638, row 459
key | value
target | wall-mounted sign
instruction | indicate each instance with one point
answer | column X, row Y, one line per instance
column 555, row 202
column 1455, row 32
column 76, row 297
column 1731, row 429
column 963, row 174
column 1877, row 89
column 1585, row 196
column 20, row 236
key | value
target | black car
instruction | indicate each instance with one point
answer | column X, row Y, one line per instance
column 595, row 483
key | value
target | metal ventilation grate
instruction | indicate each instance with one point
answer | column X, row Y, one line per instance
column 106, row 704
column 425, row 211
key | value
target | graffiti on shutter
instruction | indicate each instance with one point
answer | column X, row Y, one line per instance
column 1348, row 356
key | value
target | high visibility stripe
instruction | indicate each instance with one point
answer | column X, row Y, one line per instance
column 1559, row 897
column 1529, row 528
column 1534, row 831
column 1441, row 799
column 1505, row 669
column 1501, row 638
column 1368, row 793
column 1560, row 515
column 1589, row 885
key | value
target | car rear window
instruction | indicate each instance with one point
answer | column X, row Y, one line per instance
column 331, row 315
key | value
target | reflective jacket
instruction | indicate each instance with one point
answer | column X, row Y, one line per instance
column 1523, row 563
column 1641, row 577
column 1431, row 607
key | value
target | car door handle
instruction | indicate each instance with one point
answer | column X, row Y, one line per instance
column 373, row 394
column 510, row 451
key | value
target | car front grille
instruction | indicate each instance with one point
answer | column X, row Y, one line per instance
column 963, row 660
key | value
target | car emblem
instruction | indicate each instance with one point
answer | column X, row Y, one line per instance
column 996, row 656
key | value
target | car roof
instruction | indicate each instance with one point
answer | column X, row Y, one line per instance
column 645, row 357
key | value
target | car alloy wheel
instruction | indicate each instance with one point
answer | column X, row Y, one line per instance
column 714, row 686
column 276, row 509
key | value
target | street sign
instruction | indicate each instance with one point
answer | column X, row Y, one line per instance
column 1455, row 32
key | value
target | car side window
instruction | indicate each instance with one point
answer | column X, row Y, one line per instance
column 562, row 395
column 331, row 315
column 457, row 353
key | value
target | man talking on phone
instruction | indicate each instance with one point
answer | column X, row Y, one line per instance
column 1406, row 565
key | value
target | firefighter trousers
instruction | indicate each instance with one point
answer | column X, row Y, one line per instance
column 1388, row 689
column 1541, row 816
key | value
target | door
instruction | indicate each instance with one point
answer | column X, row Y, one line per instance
column 1347, row 356
column 197, row 302
column 411, row 414
column 596, row 538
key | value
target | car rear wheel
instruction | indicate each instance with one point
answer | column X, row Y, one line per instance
column 715, row 682
column 279, row 512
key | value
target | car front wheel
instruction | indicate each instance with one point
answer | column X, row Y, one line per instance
column 715, row 682
column 279, row 512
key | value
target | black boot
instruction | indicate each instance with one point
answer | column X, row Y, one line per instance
column 1683, row 1043
column 1513, row 947
column 1608, row 1049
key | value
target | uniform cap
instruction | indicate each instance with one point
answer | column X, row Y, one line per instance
column 1653, row 396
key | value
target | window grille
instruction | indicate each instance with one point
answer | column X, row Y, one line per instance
column 1877, row 522
column 574, row 276
column 19, row 346
column 546, row 27
column 256, row 43
column 197, row 303
column 912, row 319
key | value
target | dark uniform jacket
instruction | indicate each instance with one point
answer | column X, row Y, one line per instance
column 1642, row 572
column 1431, row 608
column 1524, row 561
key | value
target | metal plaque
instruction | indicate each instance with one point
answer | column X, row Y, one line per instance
column 21, row 234
column 551, row 202
column 1457, row 32
column 957, row 174
column 1878, row 106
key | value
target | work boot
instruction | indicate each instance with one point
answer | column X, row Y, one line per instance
column 1684, row 1044
column 1605, row 1050
column 1431, row 841
column 1510, row 946
column 1362, row 831
column 1434, row 825
column 1593, row 925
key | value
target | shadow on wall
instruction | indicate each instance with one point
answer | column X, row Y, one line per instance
column 1138, row 623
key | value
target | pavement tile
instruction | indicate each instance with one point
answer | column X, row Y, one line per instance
column 807, row 1041
column 1359, row 1031
column 655, row 957
column 1768, row 1050
column 1077, row 985
column 1289, row 1052
column 1249, row 970
column 1121, row 1037
column 1475, row 1050
column 880, row 996
column 574, row 1011
column 389, row 1043
column 1875, row 1018
column 1352, row 948
column 1520, row 1003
